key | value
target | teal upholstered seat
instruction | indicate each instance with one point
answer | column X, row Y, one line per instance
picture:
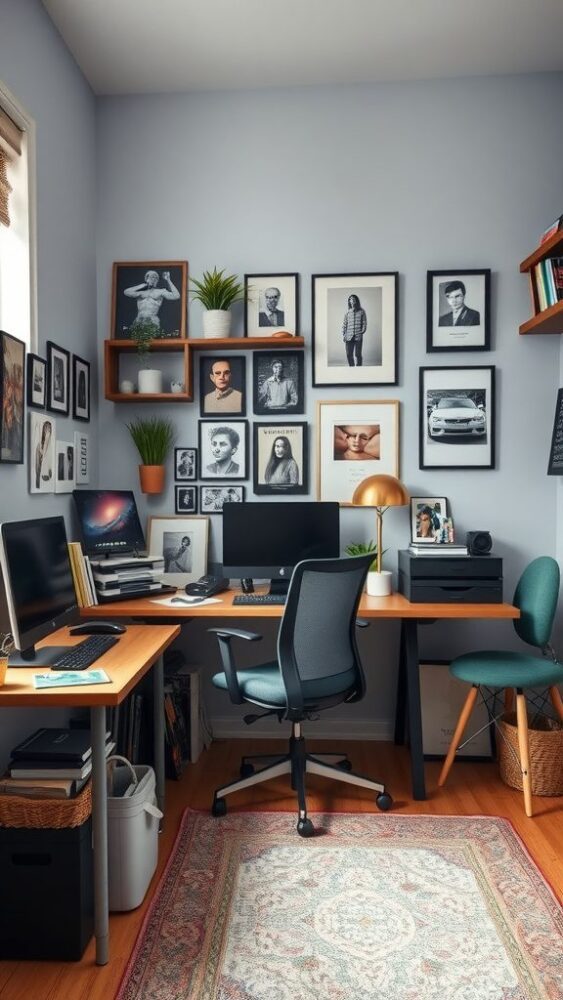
column 536, row 597
column 264, row 685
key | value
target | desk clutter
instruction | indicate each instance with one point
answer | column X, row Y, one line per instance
column 51, row 763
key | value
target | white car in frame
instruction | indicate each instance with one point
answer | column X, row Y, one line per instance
column 455, row 415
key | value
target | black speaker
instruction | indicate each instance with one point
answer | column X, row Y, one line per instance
column 479, row 543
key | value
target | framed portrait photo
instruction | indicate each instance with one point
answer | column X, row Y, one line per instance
column 182, row 543
column 429, row 520
column 64, row 466
column 278, row 382
column 223, row 449
column 355, row 328
column 12, row 398
column 81, row 458
column 58, row 379
column 36, row 381
column 213, row 498
column 222, row 386
column 457, row 418
column 41, row 455
column 149, row 292
column 185, row 464
column 80, row 388
column 355, row 439
column 271, row 305
column 458, row 310
column 281, row 458
column 185, row 499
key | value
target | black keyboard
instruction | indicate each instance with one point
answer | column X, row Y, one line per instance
column 85, row 653
column 259, row 599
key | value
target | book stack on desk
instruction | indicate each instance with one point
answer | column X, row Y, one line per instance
column 51, row 763
column 437, row 549
column 127, row 577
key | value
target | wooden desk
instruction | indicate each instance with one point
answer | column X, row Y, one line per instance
column 139, row 648
column 393, row 607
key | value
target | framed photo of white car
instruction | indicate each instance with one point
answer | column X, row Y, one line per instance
column 457, row 418
column 458, row 310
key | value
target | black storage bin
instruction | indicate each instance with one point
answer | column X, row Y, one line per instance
column 47, row 892
column 450, row 579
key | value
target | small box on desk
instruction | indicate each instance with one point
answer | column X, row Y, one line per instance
column 450, row 579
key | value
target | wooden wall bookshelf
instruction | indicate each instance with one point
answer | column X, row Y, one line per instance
column 548, row 320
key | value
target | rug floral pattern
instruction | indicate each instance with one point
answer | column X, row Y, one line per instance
column 398, row 907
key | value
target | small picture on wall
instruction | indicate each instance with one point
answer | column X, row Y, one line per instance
column 36, row 381
column 80, row 388
column 429, row 521
column 222, row 386
column 81, row 458
column 185, row 463
column 281, row 458
column 457, row 310
column 186, row 499
column 149, row 292
column 457, row 418
column 278, row 382
column 272, row 305
column 223, row 449
column 42, row 429
column 12, row 390
column 355, row 439
column 58, row 379
column 64, row 466
column 213, row 498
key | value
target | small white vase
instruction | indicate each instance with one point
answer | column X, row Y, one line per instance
column 150, row 380
column 379, row 584
column 216, row 323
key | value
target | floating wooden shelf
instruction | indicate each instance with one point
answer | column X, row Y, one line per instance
column 548, row 320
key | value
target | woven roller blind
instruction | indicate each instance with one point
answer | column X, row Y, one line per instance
column 10, row 146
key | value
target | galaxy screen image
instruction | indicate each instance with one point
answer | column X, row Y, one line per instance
column 109, row 521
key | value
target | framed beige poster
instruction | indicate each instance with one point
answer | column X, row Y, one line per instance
column 355, row 439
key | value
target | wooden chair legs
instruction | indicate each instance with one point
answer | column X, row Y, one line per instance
column 459, row 730
column 522, row 719
column 556, row 701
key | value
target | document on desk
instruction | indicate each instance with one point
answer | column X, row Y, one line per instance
column 70, row 678
column 184, row 601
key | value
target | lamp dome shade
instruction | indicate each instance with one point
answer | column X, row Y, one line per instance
column 380, row 491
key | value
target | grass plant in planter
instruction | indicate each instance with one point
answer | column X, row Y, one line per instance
column 217, row 292
column 153, row 439
column 150, row 379
column 364, row 549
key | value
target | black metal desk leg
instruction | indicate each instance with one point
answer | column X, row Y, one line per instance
column 414, row 710
column 401, row 705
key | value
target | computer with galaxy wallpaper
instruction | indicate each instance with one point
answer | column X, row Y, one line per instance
column 109, row 522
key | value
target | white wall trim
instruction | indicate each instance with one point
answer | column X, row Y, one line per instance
column 225, row 728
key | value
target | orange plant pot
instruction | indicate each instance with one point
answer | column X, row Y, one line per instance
column 152, row 478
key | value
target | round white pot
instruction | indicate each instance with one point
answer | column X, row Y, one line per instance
column 150, row 380
column 379, row 584
column 216, row 323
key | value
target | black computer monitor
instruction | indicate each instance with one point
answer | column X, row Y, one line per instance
column 109, row 522
column 39, row 586
column 268, row 539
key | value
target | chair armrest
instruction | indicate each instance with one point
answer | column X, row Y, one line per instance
column 362, row 623
column 237, row 633
column 224, row 636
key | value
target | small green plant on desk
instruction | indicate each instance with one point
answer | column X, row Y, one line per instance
column 364, row 549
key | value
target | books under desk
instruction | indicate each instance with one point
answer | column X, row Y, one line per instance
column 51, row 763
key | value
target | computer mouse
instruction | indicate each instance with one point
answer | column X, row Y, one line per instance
column 97, row 628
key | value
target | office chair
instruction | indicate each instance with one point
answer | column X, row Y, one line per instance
column 317, row 667
column 536, row 596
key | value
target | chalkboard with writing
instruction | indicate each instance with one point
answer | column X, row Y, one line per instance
column 555, row 467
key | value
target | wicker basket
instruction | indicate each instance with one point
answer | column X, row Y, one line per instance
column 545, row 739
column 41, row 814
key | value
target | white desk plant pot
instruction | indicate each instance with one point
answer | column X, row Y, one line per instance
column 380, row 492
column 153, row 439
column 217, row 292
column 149, row 379
column 378, row 583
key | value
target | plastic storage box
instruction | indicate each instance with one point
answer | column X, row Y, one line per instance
column 133, row 821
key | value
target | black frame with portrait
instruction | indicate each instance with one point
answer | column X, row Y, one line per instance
column 241, row 427
column 172, row 314
column 56, row 353
column 238, row 382
column 178, row 478
column 80, row 412
column 192, row 509
column 470, row 381
column 294, row 369
column 241, row 490
column 17, row 396
column 255, row 286
column 36, row 400
column 275, row 431
column 469, row 337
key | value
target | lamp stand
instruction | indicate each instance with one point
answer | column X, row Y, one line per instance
column 379, row 512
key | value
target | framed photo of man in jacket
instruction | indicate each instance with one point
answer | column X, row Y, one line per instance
column 458, row 310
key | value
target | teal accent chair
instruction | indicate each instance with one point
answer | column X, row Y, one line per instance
column 536, row 596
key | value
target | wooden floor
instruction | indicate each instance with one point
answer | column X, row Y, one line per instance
column 472, row 789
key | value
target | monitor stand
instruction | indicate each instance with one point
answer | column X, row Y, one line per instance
column 35, row 658
column 279, row 587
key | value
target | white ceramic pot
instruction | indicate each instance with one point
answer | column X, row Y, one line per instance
column 150, row 380
column 379, row 584
column 216, row 323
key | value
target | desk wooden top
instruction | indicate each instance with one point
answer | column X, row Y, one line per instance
column 125, row 663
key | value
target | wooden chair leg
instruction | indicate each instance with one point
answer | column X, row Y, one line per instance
column 459, row 730
column 522, row 719
column 556, row 701
column 508, row 700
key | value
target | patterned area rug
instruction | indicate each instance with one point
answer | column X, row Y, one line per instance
column 379, row 908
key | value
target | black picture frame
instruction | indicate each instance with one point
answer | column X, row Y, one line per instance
column 234, row 433
column 58, row 379
column 457, row 434
column 446, row 332
column 36, row 381
column 185, row 464
column 185, row 499
column 129, row 283
column 288, row 472
column 256, row 314
column 555, row 463
column 217, row 396
column 213, row 498
column 12, row 397
column 80, row 388
column 286, row 396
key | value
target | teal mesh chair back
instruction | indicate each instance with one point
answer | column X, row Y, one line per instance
column 536, row 595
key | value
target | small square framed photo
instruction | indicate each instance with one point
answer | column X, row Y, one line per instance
column 64, row 466
column 58, row 379
column 36, row 381
column 41, row 455
column 281, row 458
column 182, row 543
column 458, row 310
column 355, row 439
column 223, row 449
column 12, row 398
column 429, row 520
column 278, row 382
column 185, row 464
column 457, row 418
column 213, row 498
column 272, row 305
column 185, row 499
column 222, row 386
column 149, row 292
column 80, row 388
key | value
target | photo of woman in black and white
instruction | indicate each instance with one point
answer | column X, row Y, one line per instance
column 280, row 458
column 281, row 469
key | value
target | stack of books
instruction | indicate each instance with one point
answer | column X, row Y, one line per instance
column 549, row 281
column 437, row 549
column 82, row 576
column 126, row 576
column 51, row 763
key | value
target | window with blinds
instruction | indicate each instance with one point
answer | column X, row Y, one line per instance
column 10, row 147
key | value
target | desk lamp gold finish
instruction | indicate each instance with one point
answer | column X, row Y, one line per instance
column 380, row 492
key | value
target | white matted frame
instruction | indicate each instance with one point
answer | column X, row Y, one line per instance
column 441, row 698
column 182, row 542
column 457, row 417
column 355, row 439
column 266, row 317
column 41, row 455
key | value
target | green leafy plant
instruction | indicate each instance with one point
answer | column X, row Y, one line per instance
column 153, row 439
column 364, row 549
column 142, row 334
column 218, row 290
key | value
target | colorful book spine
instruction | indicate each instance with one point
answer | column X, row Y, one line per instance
column 540, row 286
column 549, row 283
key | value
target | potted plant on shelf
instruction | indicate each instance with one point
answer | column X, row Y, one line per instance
column 150, row 379
column 153, row 439
column 217, row 292
column 364, row 549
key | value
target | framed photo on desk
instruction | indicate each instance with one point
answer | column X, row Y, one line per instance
column 182, row 542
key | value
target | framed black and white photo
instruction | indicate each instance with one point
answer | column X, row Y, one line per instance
column 555, row 463
column 80, row 388
column 58, row 379
column 355, row 329
column 457, row 418
column 441, row 699
column 41, row 455
column 182, row 543
column 213, row 498
column 278, row 382
column 429, row 520
column 281, row 458
column 81, row 458
column 355, row 439
column 185, row 499
column 12, row 398
column 185, row 464
column 458, row 310
column 36, row 381
column 222, row 386
column 64, row 466
column 223, row 449
column 152, row 292
column 271, row 305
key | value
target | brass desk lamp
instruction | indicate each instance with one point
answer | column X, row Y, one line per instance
column 380, row 492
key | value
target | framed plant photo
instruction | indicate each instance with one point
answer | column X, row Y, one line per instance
column 272, row 305
column 185, row 499
column 182, row 543
column 281, row 458
column 213, row 498
column 457, row 418
column 12, row 398
column 278, row 382
column 58, row 379
column 429, row 520
column 81, row 458
column 355, row 439
column 41, row 456
column 222, row 386
column 64, row 466
column 185, row 464
column 223, row 449
column 152, row 292
column 80, row 388
column 355, row 328
column 458, row 310
column 36, row 381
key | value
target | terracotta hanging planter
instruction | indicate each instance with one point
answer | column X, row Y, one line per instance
column 152, row 478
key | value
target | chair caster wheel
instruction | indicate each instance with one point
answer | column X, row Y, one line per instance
column 384, row 801
column 345, row 765
column 305, row 828
column 219, row 807
column 246, row 770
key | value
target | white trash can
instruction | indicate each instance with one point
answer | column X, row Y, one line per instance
column 133, row 821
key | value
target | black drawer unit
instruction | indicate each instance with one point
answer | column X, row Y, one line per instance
column 450, row 579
